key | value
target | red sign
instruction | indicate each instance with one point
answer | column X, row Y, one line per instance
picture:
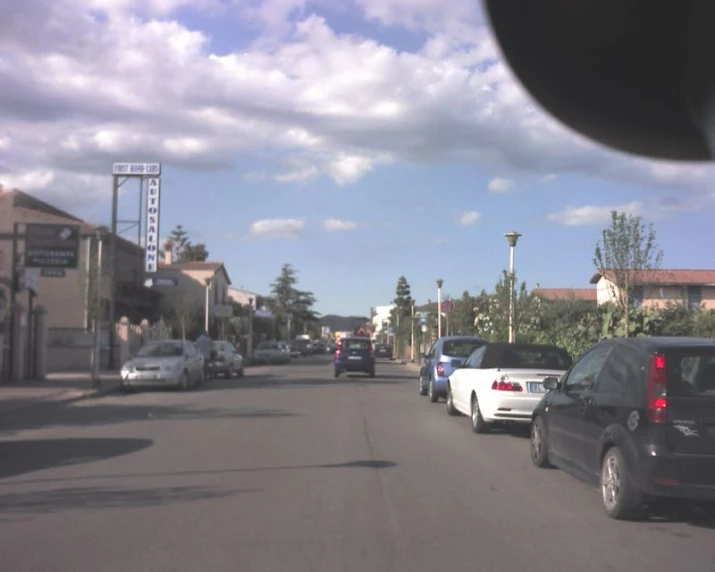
column 447, row 306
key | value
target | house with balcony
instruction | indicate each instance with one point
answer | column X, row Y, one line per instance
column 658, row 288
column 66, row 294
column 190, row 290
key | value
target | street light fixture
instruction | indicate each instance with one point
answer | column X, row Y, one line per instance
column 439, row 308
column 512, row 238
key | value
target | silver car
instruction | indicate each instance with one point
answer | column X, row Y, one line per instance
column 226, row 360
column 164, row 363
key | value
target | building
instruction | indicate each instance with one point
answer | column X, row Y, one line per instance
column 184, row 287
column 66, row 294
column 658, row 288
column 576, row 294
column 381, row 318
column 244, row 297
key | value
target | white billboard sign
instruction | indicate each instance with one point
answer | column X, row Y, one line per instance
column 153, row 195
column 137, row 169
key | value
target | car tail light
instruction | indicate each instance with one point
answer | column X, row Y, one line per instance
column 656, row 390
column 337, row 350
column 503, row 384
column 440, row 369
column 220, row 359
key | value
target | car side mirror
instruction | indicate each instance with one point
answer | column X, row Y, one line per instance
column 551, row 383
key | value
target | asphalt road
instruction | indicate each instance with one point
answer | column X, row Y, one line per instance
column 292, row 470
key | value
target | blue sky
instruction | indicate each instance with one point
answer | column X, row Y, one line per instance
column 387, row 115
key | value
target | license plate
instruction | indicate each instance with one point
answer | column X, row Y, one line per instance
column 535, row 387
column 354, row 357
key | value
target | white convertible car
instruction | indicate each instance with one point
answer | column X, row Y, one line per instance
column 502, row 383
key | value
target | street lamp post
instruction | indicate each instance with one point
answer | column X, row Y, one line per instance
column 439, row 308
column 512, row 238
column 249, row 343
column 208, row 300
column 412, row 334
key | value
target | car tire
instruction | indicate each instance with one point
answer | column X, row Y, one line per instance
column 478, row 424
column 371, row 373
column 432, row 392
column 337, row 373
column 185, row 382
column 451, row 410
column 423, row 389
column 241, row 372
column 539, row 445
column 621, row 499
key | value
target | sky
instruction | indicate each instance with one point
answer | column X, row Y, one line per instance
column 358, row 140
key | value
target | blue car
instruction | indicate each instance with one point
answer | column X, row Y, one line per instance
column 354, row 355
column 445, row 355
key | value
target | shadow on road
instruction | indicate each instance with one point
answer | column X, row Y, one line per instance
column 90, row 498
column 25, row 456
column 124, row 410
column 373, row 464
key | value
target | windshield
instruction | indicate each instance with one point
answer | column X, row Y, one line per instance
column 165, row 349
column 533, row 357
column 356, row 344
column 690, row 373
column 461, row 348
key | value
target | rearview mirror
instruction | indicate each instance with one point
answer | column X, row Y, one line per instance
column 551, row 383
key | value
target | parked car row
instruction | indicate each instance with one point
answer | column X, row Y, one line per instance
column 177, row 363
column 633, row 416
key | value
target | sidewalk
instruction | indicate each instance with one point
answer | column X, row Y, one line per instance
column 57, row 388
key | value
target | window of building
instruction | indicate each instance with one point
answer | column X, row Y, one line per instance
column 695, row 297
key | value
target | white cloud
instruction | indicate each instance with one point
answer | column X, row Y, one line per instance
column 652, row 209
column 548, row 178
column 469, row 218
column 334, row 224
column 82, row 90
column 290, row 228
column 501, row 185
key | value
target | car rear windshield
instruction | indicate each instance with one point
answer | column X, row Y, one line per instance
column 356, row 344
column 690, row 373
column 461, row 348
column 515, row 356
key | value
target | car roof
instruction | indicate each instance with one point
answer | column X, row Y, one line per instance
column 524, row 345
column 461, row 338
column 652, row 343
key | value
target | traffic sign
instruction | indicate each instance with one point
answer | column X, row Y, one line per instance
column 136, row 169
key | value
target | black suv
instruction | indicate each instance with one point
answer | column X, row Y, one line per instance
column 635, row 416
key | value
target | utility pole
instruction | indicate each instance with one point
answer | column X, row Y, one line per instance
column 439, row 308
column 97, row 317
column 412, row 334
column 208, row 301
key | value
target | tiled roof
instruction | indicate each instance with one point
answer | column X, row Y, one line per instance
column 586, row 294
column 666, row 277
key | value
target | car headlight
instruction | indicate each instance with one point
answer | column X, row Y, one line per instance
column 128, row 367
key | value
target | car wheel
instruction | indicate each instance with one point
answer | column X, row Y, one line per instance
column 184, row 385
column 451, row 410
column 423, row 389
column 372, row 373
column 621, row 500
column 478, row 423
column 241, row 372
column 230, row 374
column 539, row 445
column 432, row 392
column 337, row 373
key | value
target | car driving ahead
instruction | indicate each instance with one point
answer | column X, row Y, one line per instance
column 354, row 354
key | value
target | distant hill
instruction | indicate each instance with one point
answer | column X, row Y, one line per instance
column 342, row 323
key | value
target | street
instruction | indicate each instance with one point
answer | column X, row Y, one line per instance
column 292, row 470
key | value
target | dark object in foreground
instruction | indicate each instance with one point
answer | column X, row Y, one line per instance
column 635, row 75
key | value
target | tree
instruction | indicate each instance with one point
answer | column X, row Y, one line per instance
column 292, row 305
column 402, row 310
column 627, row 249
column 463, row 314
column 182, row 249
